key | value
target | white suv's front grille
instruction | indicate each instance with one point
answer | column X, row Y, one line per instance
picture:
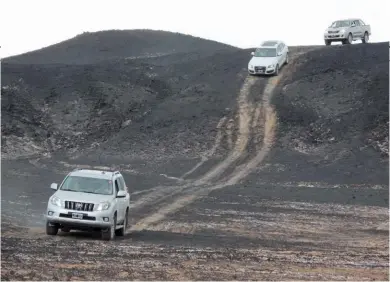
column 78, row 206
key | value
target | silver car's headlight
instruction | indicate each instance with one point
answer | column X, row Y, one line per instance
column 342, row 31
column 56, row 201
column 103, row 206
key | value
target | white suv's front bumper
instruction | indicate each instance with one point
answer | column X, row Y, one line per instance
column 94, row 219
column 261, row 70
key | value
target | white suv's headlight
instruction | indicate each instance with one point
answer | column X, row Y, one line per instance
column 271, row 66
column 250, row 66
column 103, row 206
column 56, row 201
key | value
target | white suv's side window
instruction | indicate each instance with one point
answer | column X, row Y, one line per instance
column 122, row 182
column 116, row 186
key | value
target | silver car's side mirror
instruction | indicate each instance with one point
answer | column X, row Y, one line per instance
column 54, row 186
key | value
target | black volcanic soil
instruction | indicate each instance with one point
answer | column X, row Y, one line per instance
column 232, row 177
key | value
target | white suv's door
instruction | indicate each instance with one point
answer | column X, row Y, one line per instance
column 284, row 52
column 280, row 55
column 126, row 201
column 119, row 201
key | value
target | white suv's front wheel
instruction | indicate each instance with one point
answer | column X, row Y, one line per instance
column 122, row 231
column 51, row 229
column 109, row 233
column 276, row 73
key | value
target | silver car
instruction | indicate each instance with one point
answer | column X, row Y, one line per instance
column 347, row 31
column 89, row 200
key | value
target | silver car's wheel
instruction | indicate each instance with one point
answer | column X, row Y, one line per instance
column 286, row 58
column 350, row 38
column 365, row 38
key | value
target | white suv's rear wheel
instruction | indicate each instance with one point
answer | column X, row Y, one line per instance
column 109, row 233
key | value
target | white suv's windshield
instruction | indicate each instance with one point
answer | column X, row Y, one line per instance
column 340, row 24
column 265, row 52
column 87, row 185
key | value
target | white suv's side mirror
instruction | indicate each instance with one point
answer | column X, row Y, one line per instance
column 121, row 194
column 54, row 186
column 252, row 53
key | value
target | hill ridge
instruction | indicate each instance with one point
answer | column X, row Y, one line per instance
column 91, row 47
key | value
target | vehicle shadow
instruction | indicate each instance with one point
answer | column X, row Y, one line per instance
column 80, row 235
column 200, row 239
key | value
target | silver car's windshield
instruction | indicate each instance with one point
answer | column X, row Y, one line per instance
column 265, row 52
column 87, row 185
column 340, row 24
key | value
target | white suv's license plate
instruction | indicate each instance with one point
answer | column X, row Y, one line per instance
column 260, row 71
column 77, row 215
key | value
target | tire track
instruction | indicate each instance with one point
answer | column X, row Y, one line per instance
column 157, row 198
column 260, row 121
column 244, row 131
column 212, row 151
column 186, row 197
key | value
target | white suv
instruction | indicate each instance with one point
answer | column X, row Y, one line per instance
column 89, row 200
column 268, row 58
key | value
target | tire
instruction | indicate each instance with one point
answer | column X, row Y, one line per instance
column 109, row 234
column 365, row 37
column 327, row 42
column 276, row 70
column 51, row 230
column 122, row 231
column 349, row 39
column 286, row 59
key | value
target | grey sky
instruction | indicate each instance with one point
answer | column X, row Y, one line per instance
column 28, row 25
